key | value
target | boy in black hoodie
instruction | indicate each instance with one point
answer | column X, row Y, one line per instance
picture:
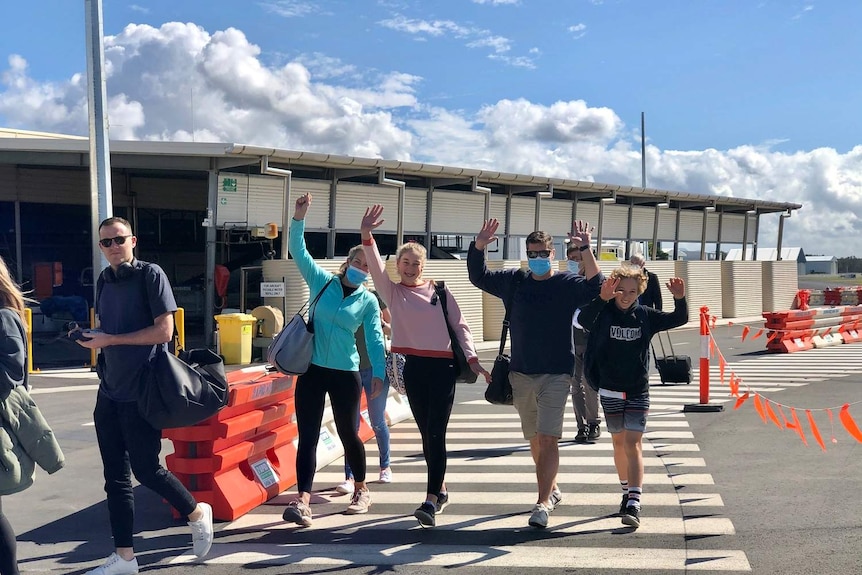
column 617, row 366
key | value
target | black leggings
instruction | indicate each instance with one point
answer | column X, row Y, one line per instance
column 8, row 548
column 430, row 384
column 344, row 389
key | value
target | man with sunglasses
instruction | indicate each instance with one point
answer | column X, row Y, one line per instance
column 136, row 311
column 541, row 329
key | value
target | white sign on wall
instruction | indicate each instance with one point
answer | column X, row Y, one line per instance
column 272, row 289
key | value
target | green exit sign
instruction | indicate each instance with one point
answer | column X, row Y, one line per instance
column 228, row 185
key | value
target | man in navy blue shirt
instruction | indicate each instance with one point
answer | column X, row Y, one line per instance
column 136, row 309
column 541, row 327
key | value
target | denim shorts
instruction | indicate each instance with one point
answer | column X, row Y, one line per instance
column 624, row 412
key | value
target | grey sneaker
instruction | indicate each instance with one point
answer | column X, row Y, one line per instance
column 298, row 512
column 595, row 432
column 360, row 503
column 442, row 501
column 202, row 532
column 539, row 518
column 556, row 498
column 116, row 565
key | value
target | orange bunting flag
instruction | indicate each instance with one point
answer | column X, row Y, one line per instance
column 849, row 424
column 787, row 424
column 814, row 431
column 712, row 320
column 741, row 400
column 798, row 426
column 772, row 335
column 757, row 334
column 721, row 365
column 832, row 425
column 734, row 384
column 711, row 347
column 745, row 331
column 772, row 415
column 827, row 332
column 758, row 406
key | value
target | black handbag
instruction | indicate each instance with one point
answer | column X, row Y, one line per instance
column 463, row 372
column 499, row 391
column 178, row 391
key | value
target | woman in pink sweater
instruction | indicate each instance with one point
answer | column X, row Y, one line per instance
column 419, row 332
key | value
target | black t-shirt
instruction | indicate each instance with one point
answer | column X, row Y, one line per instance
column 126, row 306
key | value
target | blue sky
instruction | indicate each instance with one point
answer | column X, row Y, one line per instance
column 745, row 98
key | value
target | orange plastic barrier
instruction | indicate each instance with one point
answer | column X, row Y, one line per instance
column 245, row 454
column 801, row 330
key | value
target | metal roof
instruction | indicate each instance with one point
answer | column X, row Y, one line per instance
column 186, row 156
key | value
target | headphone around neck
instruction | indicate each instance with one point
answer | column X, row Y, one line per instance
column 124, row 272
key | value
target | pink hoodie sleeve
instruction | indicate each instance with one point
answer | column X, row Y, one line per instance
column 460, row 327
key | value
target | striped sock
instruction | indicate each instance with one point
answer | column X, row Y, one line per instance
column 625, row 486
column 634, row 497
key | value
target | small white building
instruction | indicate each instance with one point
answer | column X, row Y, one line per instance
column 821, row 265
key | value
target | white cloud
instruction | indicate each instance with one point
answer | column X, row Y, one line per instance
column 137, row 8
column 289, row 8
column 476, row 37
column 578, row 30
column 155, row 74
column 497, row 2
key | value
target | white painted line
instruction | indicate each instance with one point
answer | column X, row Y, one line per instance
column 523, row 556
column 513, row 461
column 325, row 478
column 66, row 389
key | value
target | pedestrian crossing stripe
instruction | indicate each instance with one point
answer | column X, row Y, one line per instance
column 502, row 557
column 453, row 478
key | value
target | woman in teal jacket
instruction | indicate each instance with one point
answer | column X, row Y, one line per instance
column 343, row 306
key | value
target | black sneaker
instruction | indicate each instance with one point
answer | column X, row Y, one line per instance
column 595, row 432
column 632, row 516
column 623, row 504
column 442, row 502
column 581, row 437
column 425, row 515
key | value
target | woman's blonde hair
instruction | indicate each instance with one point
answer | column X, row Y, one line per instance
column 632, row 272
column 414, row 247
column 10, row 293
column 350, row 255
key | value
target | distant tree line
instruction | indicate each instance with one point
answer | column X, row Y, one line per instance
column 848, row 265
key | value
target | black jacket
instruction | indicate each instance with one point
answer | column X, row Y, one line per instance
column 652, row 294
column 617, row 354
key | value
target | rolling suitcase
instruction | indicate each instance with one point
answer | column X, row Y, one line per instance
column 671, row 368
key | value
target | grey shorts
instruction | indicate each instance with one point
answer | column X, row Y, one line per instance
column 541, row 401
column 628, row 412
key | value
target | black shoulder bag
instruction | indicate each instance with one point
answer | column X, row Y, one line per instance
column 463, row 371
column 499, row 391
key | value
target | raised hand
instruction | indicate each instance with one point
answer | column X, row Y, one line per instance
column 371, row 220
column 486, row 234
column 302, row 204
column 676, row 287
column 582, row 235
column 609, row 289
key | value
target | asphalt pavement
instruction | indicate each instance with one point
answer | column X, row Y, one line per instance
column 794, row 509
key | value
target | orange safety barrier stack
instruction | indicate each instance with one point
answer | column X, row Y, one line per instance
column 801, row 330
column 246, row 453
column 832, row 296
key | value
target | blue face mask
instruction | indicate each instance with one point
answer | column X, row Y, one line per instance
column 539, row 266
column 574, row 266
column 355, row 275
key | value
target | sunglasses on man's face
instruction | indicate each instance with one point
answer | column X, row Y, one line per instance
column 538, row 254
column 119, row 240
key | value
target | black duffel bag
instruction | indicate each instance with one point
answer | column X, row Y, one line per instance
column 178, row 391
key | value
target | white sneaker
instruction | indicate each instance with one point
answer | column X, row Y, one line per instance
column 386, row 475
column 556, row 498
column 360, row 503
column 202, row 532
column 539, row 518
column 116, row 565
column 345, row 488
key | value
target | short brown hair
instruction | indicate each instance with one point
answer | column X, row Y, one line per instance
column 540, row 237
column 116, row 220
